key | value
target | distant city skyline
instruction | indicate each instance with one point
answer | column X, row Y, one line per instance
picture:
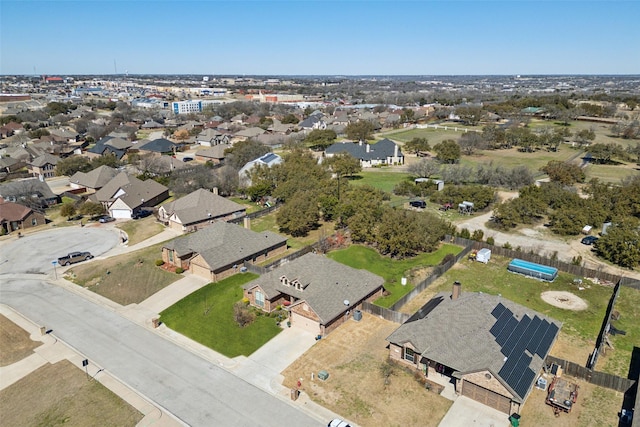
column 308, row 37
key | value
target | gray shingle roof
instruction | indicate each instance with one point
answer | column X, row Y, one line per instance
column 96, row 178
column 160, row 145
column 457, row 333
column 136, row 191
column 380, row 150
column 327, row 284
column 222, row 244
column 201, row 205
column 44, row 160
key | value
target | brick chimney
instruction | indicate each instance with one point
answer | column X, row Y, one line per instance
column 457, row 289
column 247, row 223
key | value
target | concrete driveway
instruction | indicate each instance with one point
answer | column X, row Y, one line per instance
column 34, row 253
column 467, row 412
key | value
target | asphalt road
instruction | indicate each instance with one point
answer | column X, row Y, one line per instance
column 34, row 253
column 194, row 390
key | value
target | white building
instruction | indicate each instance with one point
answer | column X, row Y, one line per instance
column 193, row 106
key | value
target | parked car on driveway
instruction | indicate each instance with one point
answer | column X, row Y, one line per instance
column 187, row 159
column 589, row 240
column 141, row 214
column 106, row 218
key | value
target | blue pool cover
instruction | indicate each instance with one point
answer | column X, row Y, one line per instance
column 532, row 269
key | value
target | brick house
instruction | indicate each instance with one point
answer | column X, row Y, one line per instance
column 43, row 166
column 15, row 217
column 320, row 293
column 220, row 250
column 492, row 348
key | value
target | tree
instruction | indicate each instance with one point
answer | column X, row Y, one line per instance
column 417, row 145
column 621, row 244
column 407, row 116
column 343, row 164
column 72, row 164
column 299, row 215
column 470, row 114
column 320, row 139
column 91, row 208
column 68, row 209
column 563, row 172
column 494, row 136
column 244, row 151
column 290, row 119
column 470, row 142
column 181, row 135
column 448, row 151
column 425, row 168
column 585, row 136
column 361, row 130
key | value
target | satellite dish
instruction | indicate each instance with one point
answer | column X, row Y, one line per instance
column 346, row 302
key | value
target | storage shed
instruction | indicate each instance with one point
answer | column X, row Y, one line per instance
column 532, row 269
column 483, row 255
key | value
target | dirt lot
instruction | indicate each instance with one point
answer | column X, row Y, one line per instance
column 14, row 342
column 354, row 355
column 60, row 394
column 596, row 407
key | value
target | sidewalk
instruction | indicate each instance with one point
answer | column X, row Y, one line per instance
column 52, row 351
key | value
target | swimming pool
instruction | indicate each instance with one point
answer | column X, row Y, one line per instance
column 532, row 269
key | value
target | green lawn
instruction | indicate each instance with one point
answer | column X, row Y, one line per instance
column 141, row 229
column 206, row 316
column 362, row 257
column 611, row 173
column 617, row 361
column 494, row 279
column 383, row 179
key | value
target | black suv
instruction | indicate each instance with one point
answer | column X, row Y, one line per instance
column 589, row 240
column 418, row 204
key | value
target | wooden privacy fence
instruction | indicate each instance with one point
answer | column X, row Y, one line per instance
column 437, row 272
column 528, row 254
column 385, row 313
column 601, row 379
column 604, row 329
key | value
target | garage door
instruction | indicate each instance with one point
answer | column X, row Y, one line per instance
column 121, row 213
column 487, row 397
column 305, row 323
column 201, row 271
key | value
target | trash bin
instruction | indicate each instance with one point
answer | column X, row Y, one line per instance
column 515, row 420
column 295, row 393
column 323, row 375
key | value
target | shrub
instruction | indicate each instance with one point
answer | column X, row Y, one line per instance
column 242, row 314
column 507, row 245
column 465, row 234
column 159, row 262
column 576, row 260
column 491, row 241
column 477, row 235
column 447, row 258
column 179, row 270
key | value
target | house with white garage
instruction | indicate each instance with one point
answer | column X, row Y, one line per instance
column 383, row 152
column 493, row 349
column 269, row 160
column 93, row 180
column 319, row 293
column 221, row 249
column 125, row 195
column 199, row 209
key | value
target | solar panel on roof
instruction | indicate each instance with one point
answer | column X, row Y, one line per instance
column 498, row 310
column 501, row 322
column 506, row 332
column 538, row 335
column 524, row 382
column 517, row 334
column 546, row 341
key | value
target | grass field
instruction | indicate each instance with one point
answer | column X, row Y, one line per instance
column 60, row 394
column 580, row 328
column 14, row 342
column 384, row 179
column 125, row 279
column 206, row 316
column 141, row 229
column 362, row 257
column 611, row 173
column 268, row 223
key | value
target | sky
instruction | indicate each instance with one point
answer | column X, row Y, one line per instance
column 307, row 37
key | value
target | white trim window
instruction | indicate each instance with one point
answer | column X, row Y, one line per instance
column 409, row 355
column 259, row 299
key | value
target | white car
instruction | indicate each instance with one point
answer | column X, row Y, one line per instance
column 338, row 423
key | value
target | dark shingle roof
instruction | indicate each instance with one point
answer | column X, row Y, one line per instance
column 160, row 145
column 222, row 244
column 201, row 205
column 380, row 150
column 478, row 339
column 96, row 178
column 131, row 190
column 327, row 284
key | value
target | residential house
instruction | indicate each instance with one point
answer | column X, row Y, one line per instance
column 30, row 192
column 93, row 180
column 384, row 152
column 269, row 160
column 314, row 121
column 126, row 195
column 15, row 217
column 64, row 135
column 220, row 250
column 320, row 293
column 212, row 137
column 152, row 125
column 43, row 166
column 492, row 348
column 199, row 209
column 214, row 154
column 248, row 133
column 109, row 145
column 158, row 147
column 10, row 165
